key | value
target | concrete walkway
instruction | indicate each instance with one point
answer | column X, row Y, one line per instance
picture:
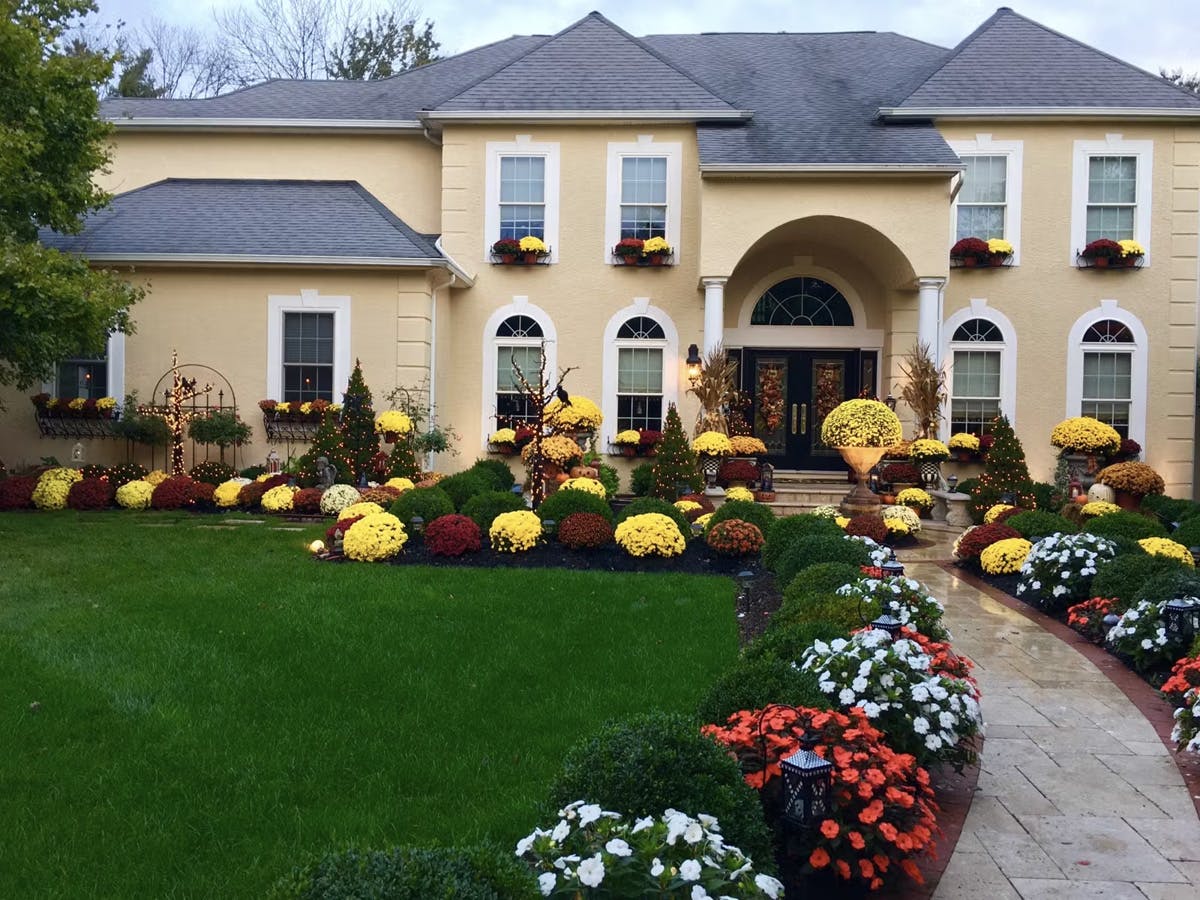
column 1077, row 796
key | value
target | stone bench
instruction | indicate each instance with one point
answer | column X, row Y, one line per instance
column 951, row 507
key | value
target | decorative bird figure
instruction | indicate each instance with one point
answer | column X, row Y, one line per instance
column 563, row 397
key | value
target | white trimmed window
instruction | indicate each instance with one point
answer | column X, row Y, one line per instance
column 1107, row 369
column 1111, row 192
column 516, row 333
column 522, row 190
column 92, row 377
column 641, row 343
column 980, row 348
column 308, row 347
column 644, row 193
column 988, row 205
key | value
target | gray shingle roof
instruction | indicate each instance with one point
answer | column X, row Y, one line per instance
column 399, row 98
column 247, row 218
column 591, row 65
column 1011, row 61
column 814, row 97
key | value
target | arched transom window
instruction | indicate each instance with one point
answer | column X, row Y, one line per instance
column 1108, row 347
column 519, row 342
column 640, row 345
column 977, row 350
column 802, row 301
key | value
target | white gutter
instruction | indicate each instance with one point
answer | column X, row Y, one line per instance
column 830, row 168
column 586, row 115
column 180, row 123
column 1036, row 112
column 467, row 280
column 184, row 259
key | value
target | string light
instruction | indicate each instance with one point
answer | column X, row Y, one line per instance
column 175, row 416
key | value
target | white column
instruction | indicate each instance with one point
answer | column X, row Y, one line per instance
column 714, row 312
column 929, row 315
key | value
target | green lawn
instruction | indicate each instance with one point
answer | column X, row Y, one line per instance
column 214, row 705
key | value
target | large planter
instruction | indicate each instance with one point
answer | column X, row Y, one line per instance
column 709, row 466
column 1129, row 500
column 1081, row 467
column 861, row 461
column 931, row 472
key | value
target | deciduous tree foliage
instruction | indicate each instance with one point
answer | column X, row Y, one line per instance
column 52, row 306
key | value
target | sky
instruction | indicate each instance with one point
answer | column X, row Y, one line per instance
column 1149, row 33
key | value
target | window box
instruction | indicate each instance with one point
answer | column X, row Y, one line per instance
column 1106, row 254
column 972, row 252
column 286, row 430
column 528, row 251
column 65, row 425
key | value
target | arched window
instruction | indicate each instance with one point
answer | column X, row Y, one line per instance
column 640, row 345
column 515, row 333
column 980, row 350
column 802, row 301
column 1106, row 369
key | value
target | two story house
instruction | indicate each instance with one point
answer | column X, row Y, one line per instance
column 811, row 187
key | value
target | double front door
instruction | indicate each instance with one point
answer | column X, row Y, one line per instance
column 792, row 391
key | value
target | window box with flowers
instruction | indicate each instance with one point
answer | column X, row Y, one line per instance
column 651, row 252
column 1106, row 254
column 503, row 441
column 294, row 420
column 528, row 251
column 973, row 252
column 76, row 417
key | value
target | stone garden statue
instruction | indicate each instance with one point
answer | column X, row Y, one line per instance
column 326, row 474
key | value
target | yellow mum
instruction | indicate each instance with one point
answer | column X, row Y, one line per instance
column 1099, row 508
column 963, row 441
column 581, row 414
column 135, row 495
column 364, row 508
column 515, row 532
column 226, row 494
column 155, row 478
column 278, row 499
column 712, row 443
column 394, row 420
column 995, row 512
column 400, row 484
column 745, row 445
column 1157, row 546
column 587, row 485
column 1083, row 434
column 52, row 488
column 377, row 537
column 650, row 534
column 861, row 423
column 1005, row 557
column 739, row 493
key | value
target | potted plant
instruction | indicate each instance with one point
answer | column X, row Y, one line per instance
column 929, row 454
column 747, row 445
column 507, row 250
column 656, row 250
column 629, row 251
column 963, row 446
column 1102, row 252
column 1131, row 253
column 1132, row 481
column 970, row 251
column 648, row 441
column 503, row 440
column 1000, row 251
column 862, row 431
column 711, row 446
column 627, row 441
column 737, row 473
column 533, row 249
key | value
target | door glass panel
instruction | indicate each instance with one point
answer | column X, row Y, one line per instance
column 770, row 403
column 828, row 390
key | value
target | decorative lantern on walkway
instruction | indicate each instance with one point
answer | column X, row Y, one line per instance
column 1182, row 617
column 807, row 779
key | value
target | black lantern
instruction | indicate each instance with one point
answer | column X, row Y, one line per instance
column 1008, row 498
column 417, row 523
column 1182, row 618
column 549, row 526
column 693, row 364
column 337, row 540
column 952, row 483
column 766, row 477
column 891, row 402
column 893, row 568
column 807, row 779
column 1195, row 551
column 889, row 623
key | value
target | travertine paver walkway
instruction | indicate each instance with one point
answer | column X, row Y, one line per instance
column 1077, row 796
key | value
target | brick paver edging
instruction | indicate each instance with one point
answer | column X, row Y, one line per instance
column 1148, row 701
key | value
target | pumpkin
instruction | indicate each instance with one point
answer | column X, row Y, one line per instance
column 561, row 477
column 1081, row 499
column 585, row 472
column 1102, row 492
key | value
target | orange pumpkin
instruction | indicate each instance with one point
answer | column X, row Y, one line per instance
column 560, row 477
column 1081, row 499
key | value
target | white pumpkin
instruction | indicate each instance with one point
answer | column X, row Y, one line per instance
column 1101, row 492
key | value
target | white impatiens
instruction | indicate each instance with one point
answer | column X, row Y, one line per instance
column 879, row 554
column 1058, row 570
column 590, row 849
column 1141, row 635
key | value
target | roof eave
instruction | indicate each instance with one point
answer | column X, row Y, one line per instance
column 830, row 168
column 242, row 259
column 589, row 115
column 902, row 113
column 220, row 124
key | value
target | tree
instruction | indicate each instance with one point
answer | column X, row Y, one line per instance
column 135, row 80
column 52, row 306
column 358, row 425
column 1004, row 473
column 382, row 48
column 1190, row 82
column 329, row 443
column 675, row 464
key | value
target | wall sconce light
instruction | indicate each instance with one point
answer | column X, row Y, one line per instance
column 693, row 364
column 891, row 402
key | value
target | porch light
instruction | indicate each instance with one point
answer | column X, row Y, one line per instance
column 891, row 402
column 1182, row 618
column 693, row 364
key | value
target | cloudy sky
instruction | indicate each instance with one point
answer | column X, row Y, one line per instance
column 1149, row 33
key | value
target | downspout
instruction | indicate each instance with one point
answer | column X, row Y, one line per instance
column 433, row 305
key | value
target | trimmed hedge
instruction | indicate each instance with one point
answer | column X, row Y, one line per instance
column 820, row 548
column 790, row 529
column 483, row 508
column 746, row 510
column 429, row 503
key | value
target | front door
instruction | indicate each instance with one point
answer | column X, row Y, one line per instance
column 792, row 391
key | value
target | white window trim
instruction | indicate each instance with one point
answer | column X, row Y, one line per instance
column 520, row 306
column 523, row 145
column 1139, row 350
column 672, row 363
column 1112, row 145
column 644, row 146
column 979, row 309
column 114, row 355
column 1014, row 151
column 308, row 301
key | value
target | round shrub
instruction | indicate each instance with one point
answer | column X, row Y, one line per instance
column 644, row 505
column 820, row 548
column 212, row 471
column 123, row 473
column 789, row 529
column 1125, row 524
column 754, row 683
column 135, row 495
column 411, row 873
column 515, row 532
column 658, row 761
column 453, row 535
column 428, row 502
column 375, row 537
column 307, row 500
column 748, row 511
column 280, row 498
column 462, row 486
column 733, row 537
column 1170, row 509
column 482, row 508
column 591, row 485
column 17, row 492
column 1168, row 584
column 91, row 493
column 787, row 641
column 337, row 497
column 561, row 504
column 976, row 540
column 91, row 470
column 201, row 495
column 1034, row 524
column 1188, row 532
column 641, row 479
column 1058, row 571
column 1122, row 577
column 227, row 492
column 52, row 488
column 608, row 477
column 360, row 509
column 498, row 474
column 585, row 531
column 173, row 493
column 1004, row 557
column 650, row 534
column 1156, row 546
column 868, row 525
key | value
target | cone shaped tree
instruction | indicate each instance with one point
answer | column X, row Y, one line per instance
column 402, row 463
column 1005, row 473
column 327, row 442
column 676, row 463
column 358, row 425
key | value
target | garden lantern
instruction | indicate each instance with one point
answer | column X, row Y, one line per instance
column 807, row 779
column 417, row 523
column 337, row 540
column 766, row 477
column 1182, row 617
column 697, row 529
column 893, row 568
column 1195, row 551
column 889, row 623
column 693, row 364
column 549, row 526
column 952, row 483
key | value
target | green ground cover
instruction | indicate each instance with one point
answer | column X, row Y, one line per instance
column 212, row 705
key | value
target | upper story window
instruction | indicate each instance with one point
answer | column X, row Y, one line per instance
column 982, row 202
column 644, row 197
column 307, row 356
column 1111, row 192
column 522, row 196
column 1112, row 198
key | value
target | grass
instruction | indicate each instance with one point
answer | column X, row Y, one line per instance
column 213, row 706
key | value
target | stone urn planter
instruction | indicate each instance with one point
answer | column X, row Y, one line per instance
column 861, row 460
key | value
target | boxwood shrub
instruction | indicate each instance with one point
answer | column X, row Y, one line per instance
column 656, row 761
column 1181, row 582
column 1125, row 524
column 819, row 548
column 641, row 479
column 789, row 529
column 1188, row 532
column 748, row 511
column 561, row 504
column 482, row 508
column 498, row 474
column 758, row 682
column 462, row 486
column 820, row 581
column 429, row 503
column 1124, row 576
column 1033, row 524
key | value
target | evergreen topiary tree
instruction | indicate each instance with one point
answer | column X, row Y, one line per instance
column 358, row 425
column 402, row 463
column 327, row 442
column 1005, row 473
column 676, row 462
